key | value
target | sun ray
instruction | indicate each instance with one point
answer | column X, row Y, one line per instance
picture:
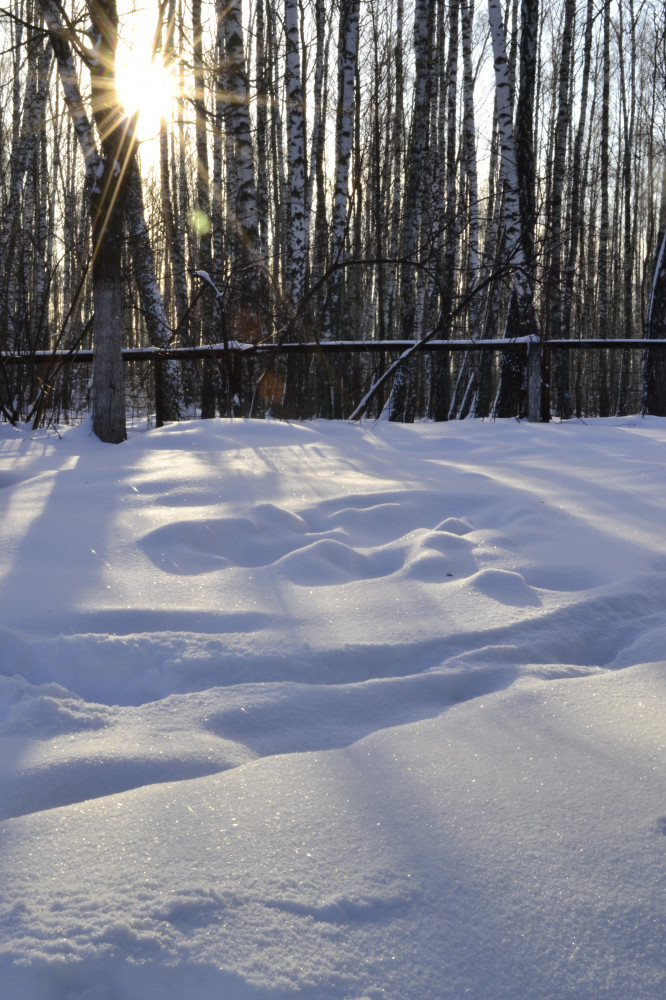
column 145, row 85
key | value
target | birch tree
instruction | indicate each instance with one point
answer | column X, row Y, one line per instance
column 554, row 264
column 29, row 120
column 106, row 182
column 604, row 215
column 169, row 396
column 524, row 130
column 241, row 181
column 521, row 320
column 402, row 402
column 108, row 173
column 316, row 179
column 298, row 221
column 344, row 136
column 654, row 363
column 469, row 149
column 576, row 179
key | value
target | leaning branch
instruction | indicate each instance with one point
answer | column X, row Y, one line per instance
column 419, row 344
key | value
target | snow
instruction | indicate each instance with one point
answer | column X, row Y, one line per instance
column 333, row 712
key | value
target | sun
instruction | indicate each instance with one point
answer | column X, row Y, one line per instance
column 145, row 85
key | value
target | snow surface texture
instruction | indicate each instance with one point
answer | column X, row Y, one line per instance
column 331, row 712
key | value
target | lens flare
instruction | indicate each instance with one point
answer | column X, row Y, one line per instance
column 144, row 85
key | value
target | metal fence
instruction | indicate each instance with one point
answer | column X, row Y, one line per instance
column 443, row 379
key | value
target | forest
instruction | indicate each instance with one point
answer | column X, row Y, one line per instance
column 331, row 208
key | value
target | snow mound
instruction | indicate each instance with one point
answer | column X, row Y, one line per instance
column 331, row 712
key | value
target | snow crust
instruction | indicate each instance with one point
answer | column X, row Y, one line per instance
column 332, row 712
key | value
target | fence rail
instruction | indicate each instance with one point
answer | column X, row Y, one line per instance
column 327, row 347
column 534, row 355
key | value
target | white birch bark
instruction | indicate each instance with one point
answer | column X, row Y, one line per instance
column 402, row 402
column 107, row 182
column 524, row 129
column 397, row 158
column 334, row 310
column 202, row 226
column 278, row 178
column 174, row 249
column 230, row 23
column 24, row 150
column 446, row 242
column 576, row 180
column 263, row 222
column 628, row 99
column 420, row 120
column 318, row 135
column 217, row 208
column 521, row 319
column 554, row 291
column 108, row 376
column 46, row 206
column 655, row 316
column 16, row 39
column 514, row 243
column 108, row 384
column 70, row 87
column 344, row 133
column 654, row 362
column 169, row 389
column 559, row 171
column 298, row 223
column 604, row 215
column 452, row 227
column 469, row 148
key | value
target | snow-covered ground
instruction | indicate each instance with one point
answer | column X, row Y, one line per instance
column 330, row 712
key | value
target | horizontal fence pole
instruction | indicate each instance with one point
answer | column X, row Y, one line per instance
column 219, row 350
column 86, row 356
column 620, row 344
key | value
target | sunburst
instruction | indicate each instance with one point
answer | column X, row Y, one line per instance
column 146, row 85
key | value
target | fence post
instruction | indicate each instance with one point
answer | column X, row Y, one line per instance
column 534, row 380
column 157, row 364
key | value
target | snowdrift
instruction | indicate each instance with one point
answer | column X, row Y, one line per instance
column 334, row 712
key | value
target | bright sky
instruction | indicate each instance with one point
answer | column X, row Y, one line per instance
column 142, row 82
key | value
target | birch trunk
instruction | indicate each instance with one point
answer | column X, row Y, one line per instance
column 108, row 185
column 106, row 180
column 298, row 222
column 554, row 266
column 524, row 130
column 521, row 319
column 402, row 401
column 452, row 229
column 174, row 248
column 397, row 158
column 238, row 110
column 317, row 190
column 576, row 180
column 344, row 133
column 344, row 138
column 604, row 216
column 263, row 223
column 201, row 217
column 629, row 118
column 440, row 393
column 554, row 290
column 108, row 194
column 469, row 148
column 654, row 362
column 244, row 320
column 169, row 400
column 23, row 152
column 604, row 177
